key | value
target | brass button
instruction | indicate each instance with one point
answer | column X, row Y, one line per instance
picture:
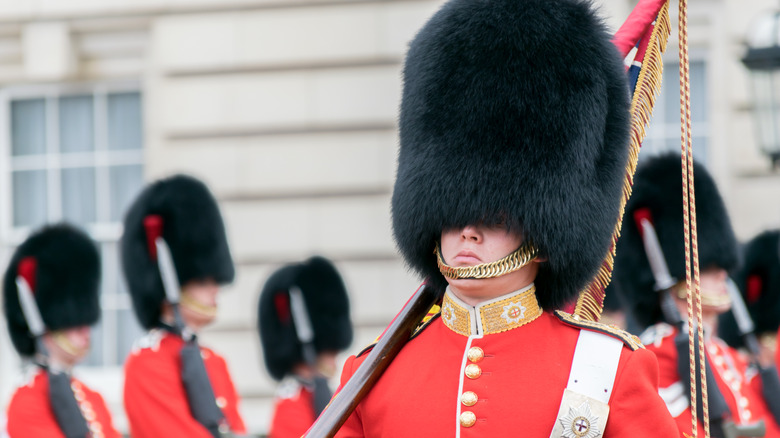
column 469, row 398
column 475, row 354
column 467, row 419
column 221, row 402
column 473, row 371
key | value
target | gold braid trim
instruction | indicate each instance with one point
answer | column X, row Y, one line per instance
column 511, row 263
column 648, row 84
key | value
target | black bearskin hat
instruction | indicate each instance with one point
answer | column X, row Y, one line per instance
column 65, row 279
column 758, row 279
column 658, row 188
column 193, row 229
column 515, row 110
column 326, row 303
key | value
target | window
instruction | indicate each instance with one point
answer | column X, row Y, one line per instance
column 663, row 133
column 76, row 154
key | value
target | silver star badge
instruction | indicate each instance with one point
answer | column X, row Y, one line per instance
column 580, row 423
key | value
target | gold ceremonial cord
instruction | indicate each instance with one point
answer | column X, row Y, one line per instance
column 689, row 227
column 591, row 301
column 511, row 263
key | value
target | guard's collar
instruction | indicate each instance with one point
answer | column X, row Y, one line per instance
column 494, row 316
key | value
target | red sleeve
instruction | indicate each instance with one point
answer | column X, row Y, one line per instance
column 636, row 409
column 225, row 392
column 154, row 397
column 29, row 415
column 353, row 427
column 292, row 415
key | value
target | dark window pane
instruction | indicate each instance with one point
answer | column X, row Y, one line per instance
column 78, row 195
column 76, row 124
column 125, row 127
column 28, row 127
column 670, row 92
column 125, row 183
column 29, row 197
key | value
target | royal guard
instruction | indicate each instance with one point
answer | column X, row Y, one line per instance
column 51, row 294
column 514, row 147
column 304, row 323
column 650, row 273
column 175, row 257
column 758, row 280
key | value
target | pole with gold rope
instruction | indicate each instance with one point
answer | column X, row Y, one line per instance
column 591, row 301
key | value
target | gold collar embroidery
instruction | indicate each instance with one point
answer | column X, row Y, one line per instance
column 495, row 316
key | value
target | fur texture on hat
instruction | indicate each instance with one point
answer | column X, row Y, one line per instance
column 192, row 228
column 514, row 110
column 66, row 283
column 658, row 187
column 327, row 304
column 758, row 279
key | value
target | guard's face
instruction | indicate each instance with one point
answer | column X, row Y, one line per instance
column 198, row 302
column 714, row 290
column 68, row 346
column 476, row 244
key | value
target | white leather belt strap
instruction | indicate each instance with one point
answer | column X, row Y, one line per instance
column 595, row 365
column 585, row 402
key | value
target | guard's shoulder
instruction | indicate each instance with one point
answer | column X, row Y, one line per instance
column 628, row 339
column 430, row 317
column 657, row 334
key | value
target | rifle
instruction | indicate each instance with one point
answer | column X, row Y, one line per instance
column 369, row 372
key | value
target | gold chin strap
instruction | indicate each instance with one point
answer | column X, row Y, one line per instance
column 708, row 299
column 511, row 263
column 64, row 343
column 195, row 306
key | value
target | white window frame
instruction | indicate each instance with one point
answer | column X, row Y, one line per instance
column 106, row 379
column 660, row 130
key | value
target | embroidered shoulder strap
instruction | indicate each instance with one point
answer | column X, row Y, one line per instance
column 631, row 341
column 585, row 405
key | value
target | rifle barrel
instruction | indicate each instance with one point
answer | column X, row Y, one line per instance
column 369, row 372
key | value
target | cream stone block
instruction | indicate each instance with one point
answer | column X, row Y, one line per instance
column 283, row 36
column 367, row 94
column 201, row 40
column 305, row 163
column 752, row 207
column 401, row 21
column 378, row 289
column 281, row 229
column 230, row 102
column 48, row 50
column 225, row 103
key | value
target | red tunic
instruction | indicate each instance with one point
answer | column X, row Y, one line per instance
column 514, row 388
column 739, row 384
column 30, row 413
column 154, row 396
column 293, row 410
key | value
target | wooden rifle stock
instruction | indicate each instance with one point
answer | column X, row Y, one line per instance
column 380, row 357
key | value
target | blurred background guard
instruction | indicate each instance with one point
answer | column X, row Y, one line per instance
column 304, row 322
column 174, row 235
column 51, row 298
column 650, row 261
column 758, row 280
